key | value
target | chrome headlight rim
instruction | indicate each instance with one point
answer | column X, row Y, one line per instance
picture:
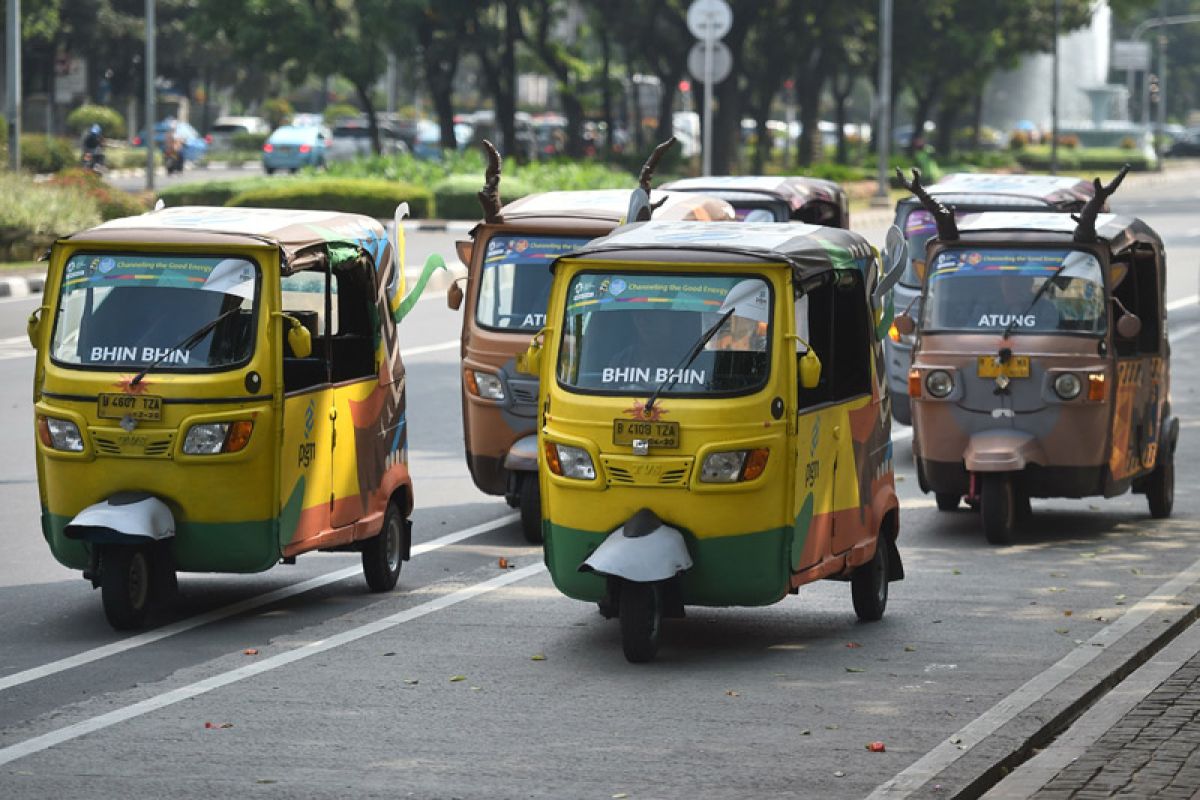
column 939, row 383
column 575, row 462
column 1067, row 385
column 489, row 385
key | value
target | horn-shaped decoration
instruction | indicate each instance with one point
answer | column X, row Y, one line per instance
column 947, row 227
column 489, row 195
column 640, row 207
column 1085, row 230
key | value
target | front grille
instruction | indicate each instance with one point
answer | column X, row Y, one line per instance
column 138, row 444
column 524, row 392
column 665, row 473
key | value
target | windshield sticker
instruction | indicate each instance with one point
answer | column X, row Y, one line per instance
column 1007, row 320
column 233, row 276
column 645, row 375
column 148, row 355
column 523, row 250
column 673, row 294
column 1028, row 262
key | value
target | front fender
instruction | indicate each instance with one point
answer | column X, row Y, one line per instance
column 643, row 550
column 523, row 455
column 124, row 518
column 1002, row 451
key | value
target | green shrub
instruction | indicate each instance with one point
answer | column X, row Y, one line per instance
column 375, row 198
column 42, row 154
column 336, row 111
column 32, row 212
column 248, row 141
column 277, row 110
column 112, row 203
column 1084, row 159
column 109, row 120
column 209, row 193
column 456, row 197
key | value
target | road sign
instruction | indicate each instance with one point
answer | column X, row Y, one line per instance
column 709, row 19
column 1131, row 56
column 722, row 61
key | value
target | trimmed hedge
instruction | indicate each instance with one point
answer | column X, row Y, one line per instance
column 1085, row 159
column 33, row 213
column 456, row 197
column 209, row 193
column 42, row 154
column 112, row 124
column 374, row 198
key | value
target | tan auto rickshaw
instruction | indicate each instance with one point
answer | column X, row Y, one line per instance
column 1041, row 366
column 763, row 198
column 217, row 390
column 508, row 282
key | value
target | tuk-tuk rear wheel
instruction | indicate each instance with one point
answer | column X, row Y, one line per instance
column 1160, row 488
column 998, row 508
column 531, row 508
column 869, row 585
column 125, row 579
column 641, row 620
column 947, row 501
column 383, row 554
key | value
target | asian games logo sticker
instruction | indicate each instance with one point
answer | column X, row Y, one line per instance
column 974, row 258
column 616, row 286
column 106, row 265
column 521, row 246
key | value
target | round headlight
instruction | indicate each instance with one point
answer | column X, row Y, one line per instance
column 1068, row 386
column 939, row 383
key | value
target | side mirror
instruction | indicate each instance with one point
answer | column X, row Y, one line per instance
column 810, row 370
column 298, row 336
column 1129, row 326
column 454, row 296
column 398, row 254
column 34, row 328
column 905, row 325
column 465, row 250
column 895, row 255
column 530, row 362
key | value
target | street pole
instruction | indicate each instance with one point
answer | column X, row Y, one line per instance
column 1054, row 100
column 883, row 135
column 1162, row 100
column 151, row 111
column 706, row 168
column 12, row 108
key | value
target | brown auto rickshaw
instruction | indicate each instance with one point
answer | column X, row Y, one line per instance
column 766, row 198
column 508, row 260
column 1041, row 365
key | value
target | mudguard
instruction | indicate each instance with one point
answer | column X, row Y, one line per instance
column 124, row 518
column 523, row 455
column 1002, row 451
column 643, row 550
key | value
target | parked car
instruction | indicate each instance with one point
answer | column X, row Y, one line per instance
column 223, row 131
column 352, row 139
column 290, row 147
column 428, row 143
column 483, row 125
column 194, row 146
column 1186, row 144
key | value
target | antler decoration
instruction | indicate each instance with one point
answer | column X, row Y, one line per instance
column 1085, row 230
column 947, row 227
column 489, row 195
column 652, row 163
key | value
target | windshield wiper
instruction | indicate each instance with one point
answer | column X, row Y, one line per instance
column 691, row 356
column 1036, row 296
column 191, row 341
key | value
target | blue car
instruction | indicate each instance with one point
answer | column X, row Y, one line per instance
column 291, row 147
column 194, row 146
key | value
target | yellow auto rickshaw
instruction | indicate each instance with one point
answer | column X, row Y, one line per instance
column 218, row 390
column 713, row 424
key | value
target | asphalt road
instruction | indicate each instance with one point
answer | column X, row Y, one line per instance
column 474, row 681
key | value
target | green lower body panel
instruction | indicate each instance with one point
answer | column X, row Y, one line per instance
column 750, row 569
column 196, row 547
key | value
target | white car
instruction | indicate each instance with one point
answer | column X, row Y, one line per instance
column 352, row 139
column 223, row 131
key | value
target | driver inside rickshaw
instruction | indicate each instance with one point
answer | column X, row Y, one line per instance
column 746, row 329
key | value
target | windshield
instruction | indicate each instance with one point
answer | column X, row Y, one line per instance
column 997, row 288
column 771, row 213
column 919, row 228
column 514, row 287
column 126, row 311
column 626, row 333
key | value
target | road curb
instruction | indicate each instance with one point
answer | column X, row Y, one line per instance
column 21, row 285
column 440, row 225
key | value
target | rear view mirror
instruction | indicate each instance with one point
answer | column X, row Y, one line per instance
column 465, row 250
column 530, row 362
column 905, row 325
column 454, row 296
column 34, row 327
column 298, row 337
column 1129, row 326
column 810, row 370
column 895, row 255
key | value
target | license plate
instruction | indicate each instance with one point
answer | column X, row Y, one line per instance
column 1015, row 367
column 656, row 434
column 135, row 406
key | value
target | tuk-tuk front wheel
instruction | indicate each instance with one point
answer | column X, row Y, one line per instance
column 1160, row 486
column 869, row 585
column 383, row 554
column 947, row 501
column 125, row 578
column 998, row 508
column 531, row 508
column 641, row 614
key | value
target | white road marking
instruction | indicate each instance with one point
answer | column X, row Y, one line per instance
column 66, row 734
column 957, row 745
column 901, row 435
column 1183, row 333
column 429, row 348
column 1183, row 302
column 149, row 637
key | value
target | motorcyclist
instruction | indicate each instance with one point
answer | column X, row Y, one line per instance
column 172, row 147
column 93, row 147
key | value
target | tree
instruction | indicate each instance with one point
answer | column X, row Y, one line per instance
column 440, row 29
column 493, row 33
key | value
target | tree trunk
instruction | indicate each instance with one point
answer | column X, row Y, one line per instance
column 947, row 120
column 810, row 144
column 977, row 127
column 364, row 96
column 606, row 91
column 666, row 108
column 443, row 107
column 762, row 139
column 573, row 110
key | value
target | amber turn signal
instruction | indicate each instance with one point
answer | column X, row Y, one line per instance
column 552, row 459
column 238, row 436
column 756, row 463
column 1096, row 386
column 914, row 383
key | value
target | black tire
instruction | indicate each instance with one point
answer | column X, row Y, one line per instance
column 947, row 501
column 869, row 585
column 1160, row 486
column 269, row 170
column 531, row 508
column 641, row 620
column 125, row 581
column 998, row 508
column 902, row 408
column 383, row 554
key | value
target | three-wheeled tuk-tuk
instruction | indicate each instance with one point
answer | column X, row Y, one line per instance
column 508, row 282
column 713, row 422
column 218, row 389
column 1041, row 366
column 763, row 198
column 965, row 193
